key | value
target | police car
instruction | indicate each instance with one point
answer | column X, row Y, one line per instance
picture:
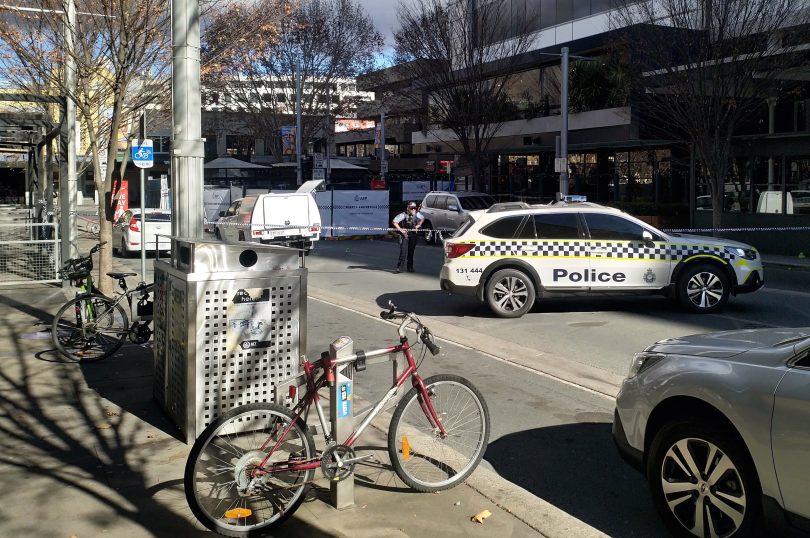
column 514, row 253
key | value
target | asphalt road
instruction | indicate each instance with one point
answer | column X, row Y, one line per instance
column 551, row 438
column 600, row 332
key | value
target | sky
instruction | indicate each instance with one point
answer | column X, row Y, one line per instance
column 384, row 15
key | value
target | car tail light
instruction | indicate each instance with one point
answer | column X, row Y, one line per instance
column 315, row 228
column 133, row 225
column 454, row 250
column 257, row 233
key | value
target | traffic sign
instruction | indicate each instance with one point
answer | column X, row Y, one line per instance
column 384, row 167
column 318, row 173
column 143, row 153
column 317, row 160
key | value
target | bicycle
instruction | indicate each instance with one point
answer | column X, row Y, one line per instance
column 249, row 469
column 92, row 326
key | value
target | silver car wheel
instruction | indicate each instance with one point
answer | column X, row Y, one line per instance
column 510, row 294
column 703, row 488
column 705, row 290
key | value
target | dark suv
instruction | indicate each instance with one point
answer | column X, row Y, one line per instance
column 444, row 212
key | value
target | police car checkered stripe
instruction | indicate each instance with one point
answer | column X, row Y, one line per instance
column 609, row 250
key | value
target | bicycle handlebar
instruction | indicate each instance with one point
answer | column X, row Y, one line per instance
column 424, row 333
column 79, row 268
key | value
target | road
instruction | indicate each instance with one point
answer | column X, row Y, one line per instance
column 550, row 436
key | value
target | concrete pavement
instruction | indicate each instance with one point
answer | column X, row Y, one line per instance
column 85, row 451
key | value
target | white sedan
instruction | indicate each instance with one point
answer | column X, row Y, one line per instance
column 128, row 237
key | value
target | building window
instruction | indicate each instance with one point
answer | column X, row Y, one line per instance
column 240, row 145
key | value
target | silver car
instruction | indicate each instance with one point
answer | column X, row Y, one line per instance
column 444, row 211
column 720, row 425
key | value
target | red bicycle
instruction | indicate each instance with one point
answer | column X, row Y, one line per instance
column 249, row 470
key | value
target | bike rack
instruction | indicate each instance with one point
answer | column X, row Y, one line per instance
column 342, row 410
column 341, row 414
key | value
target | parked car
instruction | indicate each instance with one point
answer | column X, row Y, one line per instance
column 444, row 212
column 513, row 253
column 290, row 219
column 719, row 424
column 797, row 201
column 127, row 236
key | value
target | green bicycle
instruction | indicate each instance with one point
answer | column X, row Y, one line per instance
column 92, row 326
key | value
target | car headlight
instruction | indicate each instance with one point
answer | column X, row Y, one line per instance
column 642, row 361
column 745, row 253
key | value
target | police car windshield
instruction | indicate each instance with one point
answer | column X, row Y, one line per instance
column 475, row 202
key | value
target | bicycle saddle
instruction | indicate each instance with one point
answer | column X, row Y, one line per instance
column 119, row 276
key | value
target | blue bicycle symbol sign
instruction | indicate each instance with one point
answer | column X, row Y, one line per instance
column 142, row 154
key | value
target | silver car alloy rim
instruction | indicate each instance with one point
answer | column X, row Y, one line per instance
column 510, row 294
column 703, row 488
column 704, row 289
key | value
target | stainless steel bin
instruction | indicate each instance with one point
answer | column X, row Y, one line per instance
column 230, row 322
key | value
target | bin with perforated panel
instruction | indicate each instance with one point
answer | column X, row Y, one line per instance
column 230, row 322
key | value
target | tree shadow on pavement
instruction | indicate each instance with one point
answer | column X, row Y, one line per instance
column 576, row 468
column 77, row 456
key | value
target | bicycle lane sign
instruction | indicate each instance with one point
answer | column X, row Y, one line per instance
column 143, row 153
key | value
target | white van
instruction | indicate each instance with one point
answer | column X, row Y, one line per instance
column 290, row 219
column 771, row 202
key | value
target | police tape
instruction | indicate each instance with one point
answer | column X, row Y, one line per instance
column 338, row 228
column 430, row 230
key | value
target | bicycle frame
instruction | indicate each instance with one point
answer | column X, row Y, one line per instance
column 311, row 396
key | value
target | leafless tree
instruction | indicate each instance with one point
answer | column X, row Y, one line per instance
column 331, row 39
column 462, row 55
column 122, row 58
column 702, row 66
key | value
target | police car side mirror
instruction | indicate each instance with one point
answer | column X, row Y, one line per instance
column 647, row 237
column 452, row 207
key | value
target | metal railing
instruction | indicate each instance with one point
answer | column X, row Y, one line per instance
column 29, row 253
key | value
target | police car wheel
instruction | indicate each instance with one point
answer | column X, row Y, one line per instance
column 510, row 293
column 703, row 288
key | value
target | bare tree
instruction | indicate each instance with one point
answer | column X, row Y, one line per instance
column 462, row 55
column 331, row 39
column 122, row 58
column 702, row 66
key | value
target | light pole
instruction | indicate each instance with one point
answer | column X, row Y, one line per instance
column 564, row 71
column 564, row 122
column 298, row 74
column 187, row 145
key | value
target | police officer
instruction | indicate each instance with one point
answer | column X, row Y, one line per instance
column 407, row 224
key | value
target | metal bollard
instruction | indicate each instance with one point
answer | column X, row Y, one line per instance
column 341, row 414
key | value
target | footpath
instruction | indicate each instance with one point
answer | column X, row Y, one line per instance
column 85, row 451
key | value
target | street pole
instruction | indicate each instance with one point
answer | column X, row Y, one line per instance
column 142, row 134
column 564, row 122
column 328, row 132
column 382, row 146
column 299, row 175
column 187, row 145
column 68, row 189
